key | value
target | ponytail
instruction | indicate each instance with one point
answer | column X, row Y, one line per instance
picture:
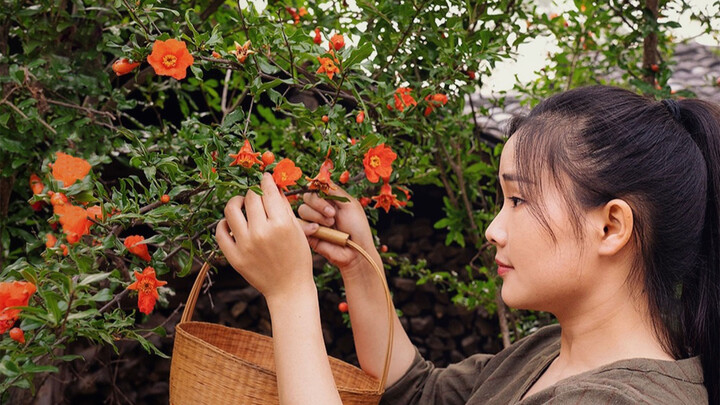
column 701, row 289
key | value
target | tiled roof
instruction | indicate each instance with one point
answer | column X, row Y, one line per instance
column 696, row 68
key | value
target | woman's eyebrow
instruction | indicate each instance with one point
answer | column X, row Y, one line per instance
column 513, row 177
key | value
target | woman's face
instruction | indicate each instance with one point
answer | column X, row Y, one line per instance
column 538, row 273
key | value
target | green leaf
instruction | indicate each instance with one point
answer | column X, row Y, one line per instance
column 94, row 278
column 358, row 55
column 9, row 368
column 10, row 145
column 268, row 85
column 34, row 368
column 335, row 198
column 190, row 24
column 197, row 71
column 102, row 295
column 83, row 314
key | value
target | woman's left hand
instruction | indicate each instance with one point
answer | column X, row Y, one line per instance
column 268, row 247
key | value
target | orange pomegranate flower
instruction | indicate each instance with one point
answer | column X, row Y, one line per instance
column 322, row 180
column 133, row 245
column 245, row 157
column 36, row 184
column 327, row 66
column 123, row 66
column 241, row 52
column 170, row 58
column 345, row 177
column 387, row 199
column 404, row 99
column 74, row 221
column 17, row 335
column 286, row 174
column 405, row 191
column 267, row 159
column 69, row 169
column 302, row 12
column 378, row 162
column 317, row 39
column 57, row 199
column 51, row 240
column 435, row 100
column 94, row 212
column 13, row 294
column 146, row 285
column 336, row 42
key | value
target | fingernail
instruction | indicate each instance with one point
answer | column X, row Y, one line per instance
column 329, row 211
column 314, row 227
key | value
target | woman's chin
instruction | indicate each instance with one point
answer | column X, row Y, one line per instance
column 514, row 299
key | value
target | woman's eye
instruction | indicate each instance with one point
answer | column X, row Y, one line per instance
column 515, row 201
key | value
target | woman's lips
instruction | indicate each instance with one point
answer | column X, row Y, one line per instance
column 503, row 268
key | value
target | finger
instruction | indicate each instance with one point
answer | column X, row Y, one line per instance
column 309, row 214
column 319, row 204
column 235, row 217
column 313, row 242
column 256, row 216
column 226, row 242
column 275, row 204
column 338, row 191
column 309, row 228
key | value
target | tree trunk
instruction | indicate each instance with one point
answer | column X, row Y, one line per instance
column 650, row 44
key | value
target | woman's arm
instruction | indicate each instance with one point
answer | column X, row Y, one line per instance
column 303, row 370
column 364, row 290
column 269, row 249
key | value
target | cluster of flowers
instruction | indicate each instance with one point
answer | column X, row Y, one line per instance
column 377, row 164
column 77, row 220
column 402, row 96
column 172, row 58
column 14, row 294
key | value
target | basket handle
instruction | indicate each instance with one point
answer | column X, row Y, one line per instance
column 329, row 235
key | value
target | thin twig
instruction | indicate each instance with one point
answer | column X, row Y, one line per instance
column 342, row 80
column 223, row 101
column 22, row 114
column 135, row 17
column 289, row 48
column 114, row 300
column 172, row 315
column 249, row 114
column 402, row 40
column 180, row 198
column 197, row 235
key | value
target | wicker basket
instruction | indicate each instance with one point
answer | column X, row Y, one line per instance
column 214, row 364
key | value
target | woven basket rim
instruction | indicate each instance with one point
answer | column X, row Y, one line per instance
column 230, row 356
column 218, row 350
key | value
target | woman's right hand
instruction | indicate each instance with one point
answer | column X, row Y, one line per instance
column 348, row 217
column 365, row 294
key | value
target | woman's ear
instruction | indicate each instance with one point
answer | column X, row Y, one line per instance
column 616, row 219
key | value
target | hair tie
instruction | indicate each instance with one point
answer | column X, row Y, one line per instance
column 672, row 107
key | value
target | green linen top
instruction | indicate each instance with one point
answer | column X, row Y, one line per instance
column 504, row 378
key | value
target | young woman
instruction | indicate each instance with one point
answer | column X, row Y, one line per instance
column 610, row 221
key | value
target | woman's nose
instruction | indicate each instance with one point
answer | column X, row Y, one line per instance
column 495, row 232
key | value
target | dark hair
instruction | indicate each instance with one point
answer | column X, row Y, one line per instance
column 663, row 159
